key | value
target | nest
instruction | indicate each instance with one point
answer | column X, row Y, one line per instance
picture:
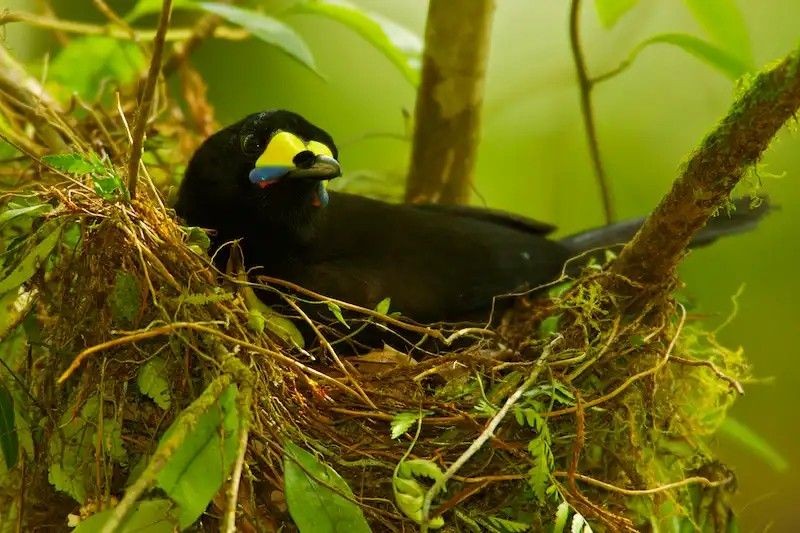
column 569, row 408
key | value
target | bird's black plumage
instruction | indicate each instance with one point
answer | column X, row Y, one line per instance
column 436, row 263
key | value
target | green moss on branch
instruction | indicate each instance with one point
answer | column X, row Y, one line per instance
column 710, row 175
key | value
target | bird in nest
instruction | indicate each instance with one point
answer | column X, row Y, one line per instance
column 263, row 181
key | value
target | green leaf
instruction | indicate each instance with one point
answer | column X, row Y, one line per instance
column 125, row 299
column 610, row 11
column 152, row 381
column 283, row 328
column 196, row 470
column 319, row 499
column 74, row 164
column 502, row 525
column 383, row 306
column 112, row 440
column 562, row 515
column 88, row 63
column 13, row 212
column 403, row 421
column 261, row 316
column 579, row 524
column 724, row 22
column 14, row 307
column 9, row 441
column 721, row 60
column 197, row 239
column 268, row 29
column 148, row 516
column 420, row 468
column 72, row 450
column 549, row 326
column 401, row 46
column 150, row 7
column 337, row 312
column 30, row 264
column 109, row 186
column 737, row 431
column 409, row 494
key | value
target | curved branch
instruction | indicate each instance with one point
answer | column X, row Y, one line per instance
column 585, row 84
column 141, row 35
column 710, row 175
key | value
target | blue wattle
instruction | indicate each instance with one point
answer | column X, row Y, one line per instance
column 260, row 174
column 324, row 197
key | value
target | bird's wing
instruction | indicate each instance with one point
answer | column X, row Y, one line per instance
column 494, row 216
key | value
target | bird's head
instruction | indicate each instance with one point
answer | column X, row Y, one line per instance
column 267, row 172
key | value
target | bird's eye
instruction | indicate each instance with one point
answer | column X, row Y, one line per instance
column 251, row 145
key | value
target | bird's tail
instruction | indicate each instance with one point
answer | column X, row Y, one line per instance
column 743, row 218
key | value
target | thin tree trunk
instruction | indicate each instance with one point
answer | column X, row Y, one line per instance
column 449, row 101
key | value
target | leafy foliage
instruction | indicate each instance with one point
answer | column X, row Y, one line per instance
column 495, row 524
column 87, row 64
column 724, row 22
column 402, row 422
column 409, row 493
column 74, row 164
column 16, row 211
column 725, row 62
column 728, row 52
column 9, row 441
column 578, row 524
column 402, row 47
column 30, row 263
column 197, row 239
column 337, row 312
column 549, row 326
column 261, row 316
column 752, row 441
column 539, row 447
column 105, row 179
column 125, row 298
column 149, row 516
column 196, row 470
column 150, row 7
column 153, row 382
column 610, row 11
column 319, row 499
column 268, row 29
column 383, row 306
column 72, row 450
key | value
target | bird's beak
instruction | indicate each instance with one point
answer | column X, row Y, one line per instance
column 321, row 167
column 288, row 156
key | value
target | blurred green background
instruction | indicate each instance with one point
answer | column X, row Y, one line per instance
column 533, row 160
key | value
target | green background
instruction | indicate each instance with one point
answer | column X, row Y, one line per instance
column 533, row 160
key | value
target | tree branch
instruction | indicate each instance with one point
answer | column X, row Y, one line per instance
column 143, row 109
column 449, row 100
column 83, row 28
column 585, row 85
column 710, row 175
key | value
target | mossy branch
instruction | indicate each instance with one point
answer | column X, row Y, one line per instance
column 449, row 101
column 650, row 258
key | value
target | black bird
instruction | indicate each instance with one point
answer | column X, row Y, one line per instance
column 263, row 180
